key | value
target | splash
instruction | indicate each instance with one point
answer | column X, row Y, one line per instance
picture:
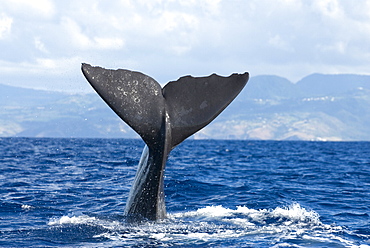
column 217, row 224
column 288, row 215
column 83, row 219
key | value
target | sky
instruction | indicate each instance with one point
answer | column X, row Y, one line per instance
column 44, row 42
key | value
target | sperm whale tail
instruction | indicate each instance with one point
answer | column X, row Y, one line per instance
column 163, row 117
column 188, row 104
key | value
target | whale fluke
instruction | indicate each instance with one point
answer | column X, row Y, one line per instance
column 163, row 118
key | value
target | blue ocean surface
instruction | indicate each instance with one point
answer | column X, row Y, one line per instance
column 72, row 193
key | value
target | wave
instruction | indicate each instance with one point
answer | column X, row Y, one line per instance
column 291, row 226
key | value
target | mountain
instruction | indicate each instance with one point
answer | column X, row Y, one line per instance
column 324, row 85
column 36, row 113
column 318, row 107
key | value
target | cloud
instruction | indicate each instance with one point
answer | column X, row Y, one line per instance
column 85, row 41
column 170, row 38
column 34, row 9
column 39, row 45
column 5, row 25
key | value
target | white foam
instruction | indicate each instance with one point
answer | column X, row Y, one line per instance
column 26, row 207
column 219, row 223
column 329, row 238
column 279, row 224
column 214, row 211
column 296, row 213
column 160, row 236
column 83, row 219
column 293, row 213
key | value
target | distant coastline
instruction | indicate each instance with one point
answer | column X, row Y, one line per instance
column 318, row 107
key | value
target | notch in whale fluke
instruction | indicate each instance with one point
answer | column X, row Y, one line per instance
column 163, row 117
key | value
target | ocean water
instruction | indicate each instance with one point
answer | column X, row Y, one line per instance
column 72, row 193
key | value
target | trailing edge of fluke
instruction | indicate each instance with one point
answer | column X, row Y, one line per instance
column 163, row 117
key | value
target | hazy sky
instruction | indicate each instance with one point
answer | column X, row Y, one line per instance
column 44, row 42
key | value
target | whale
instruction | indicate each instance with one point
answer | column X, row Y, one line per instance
column 163, row 118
